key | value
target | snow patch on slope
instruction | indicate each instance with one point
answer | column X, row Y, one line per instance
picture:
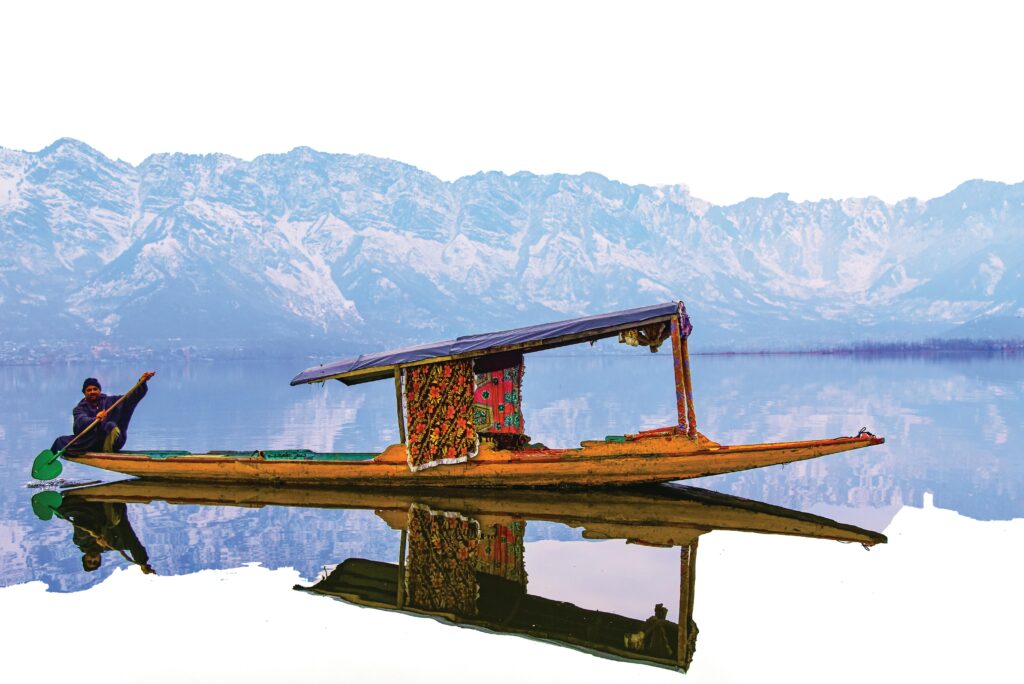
column 991, row 272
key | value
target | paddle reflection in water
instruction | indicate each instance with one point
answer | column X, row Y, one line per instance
column 462, row 554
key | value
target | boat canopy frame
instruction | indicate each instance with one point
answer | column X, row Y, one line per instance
column 382, row 365
column 393, row 363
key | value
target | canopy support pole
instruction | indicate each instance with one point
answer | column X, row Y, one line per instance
column 688, row 383
column 687, row 419
column 398, row 401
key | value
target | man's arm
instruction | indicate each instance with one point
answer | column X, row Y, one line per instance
column 135, row 397
column 83, row 416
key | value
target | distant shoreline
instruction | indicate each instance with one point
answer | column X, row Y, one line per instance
column 928, row 347
column 107, row 354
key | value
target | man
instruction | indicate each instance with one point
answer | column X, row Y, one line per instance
column 112, row 431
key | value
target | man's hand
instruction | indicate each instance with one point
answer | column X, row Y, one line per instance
column 102, row 415
column 147, row 375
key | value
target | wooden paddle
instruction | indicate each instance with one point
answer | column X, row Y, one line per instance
column 46, row 465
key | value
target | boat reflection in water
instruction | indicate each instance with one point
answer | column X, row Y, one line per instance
column 462, row 555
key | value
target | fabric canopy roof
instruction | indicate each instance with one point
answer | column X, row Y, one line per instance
column 367, row 367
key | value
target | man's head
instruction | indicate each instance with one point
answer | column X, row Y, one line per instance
column 90, row 561
column 91, row 389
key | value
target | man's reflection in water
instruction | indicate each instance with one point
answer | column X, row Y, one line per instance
column 657, row 637
column 101, row 527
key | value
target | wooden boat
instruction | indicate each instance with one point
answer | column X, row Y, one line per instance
column 453, row 432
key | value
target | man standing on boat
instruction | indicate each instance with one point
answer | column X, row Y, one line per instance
column 112, row 431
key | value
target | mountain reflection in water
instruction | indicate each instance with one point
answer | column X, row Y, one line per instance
column 461, row 557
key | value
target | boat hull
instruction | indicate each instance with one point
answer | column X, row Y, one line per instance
column 662, row 459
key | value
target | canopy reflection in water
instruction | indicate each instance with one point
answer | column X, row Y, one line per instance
column 462, row 552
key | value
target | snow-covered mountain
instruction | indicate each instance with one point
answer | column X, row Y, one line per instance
column 307, row 250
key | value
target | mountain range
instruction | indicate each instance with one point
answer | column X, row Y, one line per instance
column 309, row 251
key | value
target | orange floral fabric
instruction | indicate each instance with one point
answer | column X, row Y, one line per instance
column 439, row 414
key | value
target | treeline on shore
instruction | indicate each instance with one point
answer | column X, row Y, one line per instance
column 929, row 346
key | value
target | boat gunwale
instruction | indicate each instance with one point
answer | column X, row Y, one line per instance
column 515, row 457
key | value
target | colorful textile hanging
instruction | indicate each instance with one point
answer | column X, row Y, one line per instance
column 440, row 573
column 438, row 414
column 497, row 397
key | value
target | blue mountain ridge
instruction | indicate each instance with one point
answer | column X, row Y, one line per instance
column 309, row 251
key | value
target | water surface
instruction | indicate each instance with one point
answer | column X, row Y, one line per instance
column 951, row 467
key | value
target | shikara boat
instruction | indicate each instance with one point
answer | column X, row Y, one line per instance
column 461, row 555
column 461, row 424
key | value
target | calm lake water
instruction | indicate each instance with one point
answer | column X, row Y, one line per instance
column 745, row 580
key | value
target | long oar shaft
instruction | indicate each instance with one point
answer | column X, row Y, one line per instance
column 93, row 423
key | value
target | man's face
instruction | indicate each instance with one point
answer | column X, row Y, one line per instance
column 92, row 393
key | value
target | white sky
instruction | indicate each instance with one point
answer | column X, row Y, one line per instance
column 733, row 99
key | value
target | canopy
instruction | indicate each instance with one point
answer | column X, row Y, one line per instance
column 381, row 365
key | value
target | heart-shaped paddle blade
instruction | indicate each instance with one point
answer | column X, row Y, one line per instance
column 46, row 503
column 46, row 466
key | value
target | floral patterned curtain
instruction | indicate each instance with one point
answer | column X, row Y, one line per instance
column 438, row 414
